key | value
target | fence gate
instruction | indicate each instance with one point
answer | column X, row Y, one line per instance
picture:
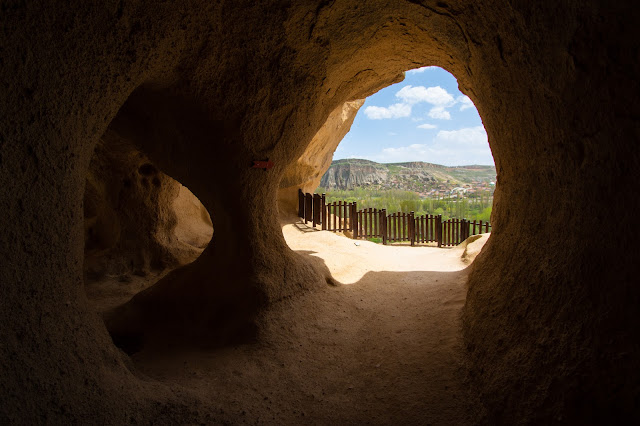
column 401, row 227
column 338, row 216
column 370, row 223
column 428, row 228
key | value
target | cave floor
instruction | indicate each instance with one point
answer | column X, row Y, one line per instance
column 384, row 347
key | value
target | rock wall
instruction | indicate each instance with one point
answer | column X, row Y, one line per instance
column 206, row 88
column 349, row 176
column 307, row 171
column 136, row 218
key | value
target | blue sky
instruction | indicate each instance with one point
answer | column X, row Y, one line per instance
column 423, row 118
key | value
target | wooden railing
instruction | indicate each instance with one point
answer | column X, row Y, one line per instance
column 375, row 223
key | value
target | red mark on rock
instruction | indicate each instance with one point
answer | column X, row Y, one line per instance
column 262, row 164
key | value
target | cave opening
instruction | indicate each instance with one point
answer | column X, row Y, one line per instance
column 417, row 147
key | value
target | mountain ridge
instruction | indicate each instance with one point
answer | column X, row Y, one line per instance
column 418, row 176
column 406, row 163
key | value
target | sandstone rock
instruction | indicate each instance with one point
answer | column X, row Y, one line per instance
column 137, row 219
column 307, row 171
column 472, row 247
column 550, row 321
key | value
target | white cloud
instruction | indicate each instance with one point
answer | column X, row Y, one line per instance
column 449, row 147
column 433, row 95
column 427, row 126
column 392, row 134
column 402, row 151
column 410, row 95
column 420, row 70
column 439, row 113
column 465, row 102
column 393, row 111
column 468, row 137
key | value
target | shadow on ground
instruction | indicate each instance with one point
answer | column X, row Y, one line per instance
column 383, row 351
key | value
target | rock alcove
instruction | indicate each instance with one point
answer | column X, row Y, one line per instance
column 139, row 223
column 550, row 324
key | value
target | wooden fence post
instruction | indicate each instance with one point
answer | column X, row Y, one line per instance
column 316, row 209
column 300, row 203
column 354, row 220
column 343, row 216
column 308, row 208
column 446, row 232
column 465, row 229
column 383, row 225
column 412, row 228
column 375, row 224
column 452, row 231
column 393, row 221
column 323, row 211
column 434, row 231
column 345, row 225
column 456, row 232
column 439, row 230
column 335, row 216
column 347, row 213
column 455, row 228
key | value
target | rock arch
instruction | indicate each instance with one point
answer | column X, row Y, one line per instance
column 205, row 90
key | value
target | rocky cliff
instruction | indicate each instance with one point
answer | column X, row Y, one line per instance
column 348, row 174
column 414, row 176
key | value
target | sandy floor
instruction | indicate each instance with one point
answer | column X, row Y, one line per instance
column 381, row 349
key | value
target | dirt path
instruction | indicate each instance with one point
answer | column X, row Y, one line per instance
column 381, row 349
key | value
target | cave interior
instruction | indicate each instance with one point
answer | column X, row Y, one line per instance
column 111, row 111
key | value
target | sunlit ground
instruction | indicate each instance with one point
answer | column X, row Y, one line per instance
column 349, row 260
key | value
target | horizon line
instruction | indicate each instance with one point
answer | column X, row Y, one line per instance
column 420, row 161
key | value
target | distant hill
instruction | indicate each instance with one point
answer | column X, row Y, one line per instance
column 415, row 176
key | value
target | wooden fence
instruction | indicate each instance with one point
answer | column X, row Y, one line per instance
column 390, row 228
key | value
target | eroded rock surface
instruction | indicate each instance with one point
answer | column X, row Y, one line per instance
column 307, row 171
column 349, row 175
column 550, row 322
column 137, row 219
